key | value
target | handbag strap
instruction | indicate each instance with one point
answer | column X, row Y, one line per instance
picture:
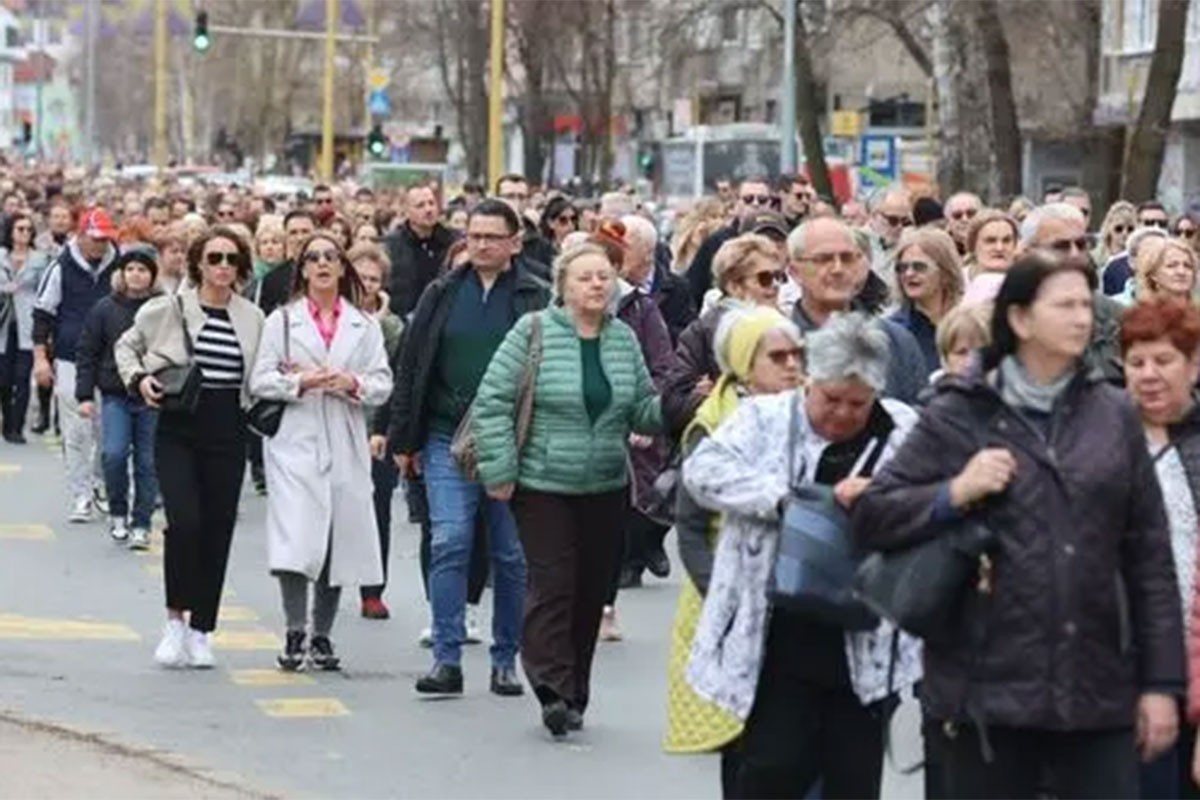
column 187, row 336
column 793, row 423
column 287, row 337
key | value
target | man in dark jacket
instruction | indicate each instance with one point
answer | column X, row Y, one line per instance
column 537, row 252
column 754, row 195
column 273, row 289
column 647, row 273
column 458, row 324
column 417, row 249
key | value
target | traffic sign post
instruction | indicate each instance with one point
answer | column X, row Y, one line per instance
column 878, row 162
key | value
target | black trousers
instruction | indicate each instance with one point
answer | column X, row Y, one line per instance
column 572, row 543
column 1077, row 764
column 201, row 460
column 16, row 369
column 385, row 476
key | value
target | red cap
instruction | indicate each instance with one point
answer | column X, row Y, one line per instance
column 97, row 224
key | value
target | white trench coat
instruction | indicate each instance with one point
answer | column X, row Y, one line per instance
column 318, row 465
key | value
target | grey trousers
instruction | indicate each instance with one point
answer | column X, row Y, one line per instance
column 294, row 588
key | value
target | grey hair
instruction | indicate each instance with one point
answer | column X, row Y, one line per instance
column 616, row 204
column 569, row 257
column 1139, row 237
column 730, row 320
column 1051, row 211
column 640, row 228
column 797, row 239
column 849, row 346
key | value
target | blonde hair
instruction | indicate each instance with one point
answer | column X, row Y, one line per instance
column 371, row 252
column 568, row 257
column 731, row 260
column 703, row 220
column 1118, row 212
column 941, row 249
column 961, row 322
column 1151, row 255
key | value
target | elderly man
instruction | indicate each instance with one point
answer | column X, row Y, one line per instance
column 754, row 195
column 643, row 270
column 891, row 215
column 1119, row 270
column 960, row 210
column 1062, row 229
column 831, row 269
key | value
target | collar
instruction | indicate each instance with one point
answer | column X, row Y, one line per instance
column 315, row 310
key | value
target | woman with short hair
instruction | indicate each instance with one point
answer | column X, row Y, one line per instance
column 991, row 247
column 1163, row 268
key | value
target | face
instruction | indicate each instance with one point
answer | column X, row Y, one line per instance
column 23, row 232
column 271, row 247
column 323, row 202
column 226, row 213
column 725, row 191
column 995, row 246
column 173, row 259
column 1066, row 237
column 588, row 285
column 566, row 222
column 1189, row 233
column 298, row 229
column 918, row 276
column 92, row 249
column 364, row 214
column 1160, row 379
column 960, row 210
column 179, row 210
column 458, row 220
column 368, row 234
column 219, row 263
column 855, row 214
column 588, row 220
column 340, row 232
column 638, row 262
column 797, row 200
column 138, row 277
column 423, row 209
column 322, row 266
column 158, row 217
column 1082, row 202
column 777, row 364
column 958, row 360
column 371, row 275
column 1154, row 218
column 1118, row 234
column 760, row 281
column 60, row 219
column 12, row 204
column 1059, row 321
column 832, row 269
column 1176, row 276
column 839, row 410
column 891, row 218
column 516, row 194
column 752, row 198
column 490, row 244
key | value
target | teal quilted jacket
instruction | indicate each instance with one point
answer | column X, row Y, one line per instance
column 565, row 454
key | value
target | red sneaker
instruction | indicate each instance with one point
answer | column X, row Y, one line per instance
column 374, row 608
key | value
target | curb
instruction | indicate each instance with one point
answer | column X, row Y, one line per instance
column 172, row 762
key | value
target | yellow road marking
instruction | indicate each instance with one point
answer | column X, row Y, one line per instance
column 303, row 707
column 15, row 626
column 269, row 677
column 154, row 568
column 246, row 640
column 27, row 532
column 9, row 469
column 237, row 614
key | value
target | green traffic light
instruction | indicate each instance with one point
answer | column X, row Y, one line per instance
column 201, row 42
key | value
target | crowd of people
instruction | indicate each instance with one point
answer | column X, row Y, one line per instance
column 557, row 383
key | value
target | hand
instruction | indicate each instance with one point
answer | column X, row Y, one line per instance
column 848, row 490
column 342, row 382
column 87, row 409
column 639, row 442
column 314, row 379
column 502, row 492
column 151, row 391
column 378, row 445
column 1157, row 725
column 987, row 473
column 410, row 465
column 703, row 387
column 43, row 372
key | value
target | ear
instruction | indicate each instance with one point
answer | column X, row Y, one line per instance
column 1018, row 321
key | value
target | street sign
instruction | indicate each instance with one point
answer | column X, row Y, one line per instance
column 846, row 123
column 379, row 79
column 877, row 158
column 379, row 103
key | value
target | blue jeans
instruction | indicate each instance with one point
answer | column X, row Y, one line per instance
column 453, row 503
column 127, row 424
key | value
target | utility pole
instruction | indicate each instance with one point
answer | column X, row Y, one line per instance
column 40, row 41
column 90, row 23
column 161, row 10
column 369, row 12
column 496, row 97
column 332, row 12
column 787, row 103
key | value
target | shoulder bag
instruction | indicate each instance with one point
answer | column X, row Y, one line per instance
column 181, row 382
column 464, row 447
column 816, row 559
column 265, row 416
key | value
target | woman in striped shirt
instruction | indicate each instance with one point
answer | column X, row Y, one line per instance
column 200, row 454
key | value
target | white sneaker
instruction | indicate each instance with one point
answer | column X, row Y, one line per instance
column 100, row 499
column 118, row 530
column 426, row 638
column 139, row 539
column 171, row 651
column 473, row 634
column 81, row 509
column 199, row 650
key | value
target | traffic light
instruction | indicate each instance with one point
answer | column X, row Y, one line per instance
column 200, row 38
column 377, row 142
column 646, row 163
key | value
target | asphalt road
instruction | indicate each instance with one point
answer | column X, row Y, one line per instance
column 80, row 617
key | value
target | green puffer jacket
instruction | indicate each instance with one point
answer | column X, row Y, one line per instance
column 564, row 454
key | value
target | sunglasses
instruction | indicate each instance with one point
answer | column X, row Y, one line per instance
column 216, row 259
column 566, row 218
column 780, row 358
column 1067, row 245
column 966, row 213
column 768, row 278
column 756, row 199
column 896, row 222
column 317, row 256
column 916, row 267
column 28, row 228
column 1156, row 223
column 1182, row 232
column 1122, row 230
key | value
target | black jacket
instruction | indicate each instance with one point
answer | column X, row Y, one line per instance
column 694, row 360
column 417, row 355
column 673, row 296
column 274, row 289
column 699, row 273
column 95, row 365
column 539, row 250
column 1084, row 613
column 416, row 262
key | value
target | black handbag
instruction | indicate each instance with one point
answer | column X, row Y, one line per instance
column 181, row 383
column 816, row 559
column 921, row 588
column 265, row 416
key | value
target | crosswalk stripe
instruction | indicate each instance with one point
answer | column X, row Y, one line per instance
column 303, row 707
column 269, row 677
column 246, row 640
column 26, row 532
column 15, row 626
column 9, row 469
column 237, row 614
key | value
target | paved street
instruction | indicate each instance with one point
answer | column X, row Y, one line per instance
column 79, row 618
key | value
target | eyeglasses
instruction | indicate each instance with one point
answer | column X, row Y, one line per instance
column 1186, row 233
column 216, row 259
column 514, row 196
column 917, row 267
column 1155, row 223
column 966, row 213
column 780, row 358
column 224, row 215
column 768, row 278
column 756, row 199
column 1066, row 246
column 847, row 257
column 896, row 222
column 570, row 219
column 1122, row 230
column 317, row 256
column 28, row 228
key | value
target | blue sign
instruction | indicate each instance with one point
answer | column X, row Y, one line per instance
column 379, row 103
column 877, row 158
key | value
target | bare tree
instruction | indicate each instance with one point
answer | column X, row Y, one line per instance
column 531, row 24
column 460, row 32
column 1006, row 134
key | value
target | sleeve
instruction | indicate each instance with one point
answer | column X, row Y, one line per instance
column 492, row 411
column 656, row 346
column 725, row 471
column 402, row 425
column 375, row 382
column 679, row 399
column 691, row 529
column 267, row 382
column 699, row 273
column 131, row 348
column 88, row 353
column 45, row 307
column 646, row 414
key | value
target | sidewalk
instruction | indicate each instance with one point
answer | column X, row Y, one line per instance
column 43, row 761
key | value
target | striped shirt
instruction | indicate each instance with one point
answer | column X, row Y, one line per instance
column 218, row 353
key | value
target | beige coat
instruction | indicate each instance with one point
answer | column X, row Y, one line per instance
column 156, row 339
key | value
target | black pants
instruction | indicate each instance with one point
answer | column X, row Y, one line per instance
column 1078, row 764
column 572, row 543
column 16, row 368
column 384, row 478
column 201, row 460
column 254, row 453
column 642, row 537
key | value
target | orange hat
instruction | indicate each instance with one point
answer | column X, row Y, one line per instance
column 97, row 224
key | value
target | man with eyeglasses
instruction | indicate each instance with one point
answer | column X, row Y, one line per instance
column 753, row 195
column 1152, row 214
column 459, row 322
column 831, row 270
column 417, row 249
column 537, row 252
column 960, row 212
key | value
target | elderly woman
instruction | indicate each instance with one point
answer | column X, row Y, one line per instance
column 1118, row 223
column 592, row 390
column 749, row 272
column 813, row 696
column 1164, row 268
column 991, row 246
column 326, row 359
column 172, row 245
column 1159, row 341
column 1041, row 675
column 760, row 353
column 929, row 282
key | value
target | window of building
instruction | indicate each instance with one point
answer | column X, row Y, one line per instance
column 12, row 37
column 898, row 112
column 1138, row 25
column 730, row 25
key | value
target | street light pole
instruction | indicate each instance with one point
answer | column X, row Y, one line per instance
column 160, row 84
column 332, row 12
column 90, row 23
column 38, row 122
column 496, row 96
column 787, row 103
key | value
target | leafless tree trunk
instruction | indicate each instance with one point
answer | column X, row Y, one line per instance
column 1143, row 160
column 462, row 51
column 533, row 30
column 808, row 111
column 1006, row 134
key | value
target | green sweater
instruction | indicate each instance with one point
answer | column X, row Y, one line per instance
column 565, row 453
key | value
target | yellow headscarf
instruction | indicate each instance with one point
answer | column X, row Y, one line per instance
column 749, row 327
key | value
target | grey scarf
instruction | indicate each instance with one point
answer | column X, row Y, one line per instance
column 1019, row 390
